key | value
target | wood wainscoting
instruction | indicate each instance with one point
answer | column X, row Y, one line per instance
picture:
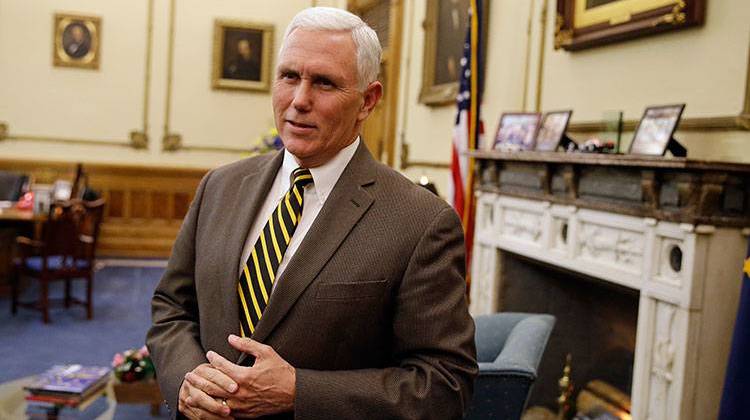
column 145, row 205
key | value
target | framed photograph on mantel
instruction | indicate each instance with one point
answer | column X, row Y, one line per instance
column 653, row 136
column 552, row 130
column 591, row 23
column 517, row 131
column 242, row 55
column 445, row 27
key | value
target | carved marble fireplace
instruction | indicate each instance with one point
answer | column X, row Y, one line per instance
column 672, row 230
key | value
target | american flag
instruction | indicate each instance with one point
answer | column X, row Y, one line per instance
column 468, row 126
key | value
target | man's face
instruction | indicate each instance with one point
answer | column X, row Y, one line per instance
column 77, row 33
column 317, row 105
column 243, row 48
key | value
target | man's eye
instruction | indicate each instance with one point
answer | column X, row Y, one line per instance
column 324, row 83
column 289, row 76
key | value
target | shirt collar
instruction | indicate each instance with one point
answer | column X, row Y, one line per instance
column 324, row 176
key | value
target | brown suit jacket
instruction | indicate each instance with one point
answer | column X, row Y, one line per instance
column 371, row 310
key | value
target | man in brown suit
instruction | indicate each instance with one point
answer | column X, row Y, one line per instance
column 366, row 315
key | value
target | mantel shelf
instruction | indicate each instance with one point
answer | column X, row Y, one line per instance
column 671, row 189
column 610, row 159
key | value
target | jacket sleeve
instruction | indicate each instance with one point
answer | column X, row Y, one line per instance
column 432, row 348
column 174, row 337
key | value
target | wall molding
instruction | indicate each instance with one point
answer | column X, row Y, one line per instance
column 138, row 139
column 145, row 204
column 172, row 141
column 739, row 122
column 408, row 163
column 706, row 124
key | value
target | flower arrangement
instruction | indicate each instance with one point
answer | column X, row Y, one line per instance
column 267, row 142
column 133, row 365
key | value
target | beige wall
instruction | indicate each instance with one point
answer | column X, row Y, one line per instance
column 43, row 106
column 704, row 67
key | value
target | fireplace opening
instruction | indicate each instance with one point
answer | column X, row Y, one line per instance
column 596, row 325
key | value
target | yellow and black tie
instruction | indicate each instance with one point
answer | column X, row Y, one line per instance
column 259, row 271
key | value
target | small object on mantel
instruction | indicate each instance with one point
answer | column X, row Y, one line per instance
column 425, row 182
column 596, row 145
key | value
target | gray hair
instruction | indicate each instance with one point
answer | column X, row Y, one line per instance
column 332, row 19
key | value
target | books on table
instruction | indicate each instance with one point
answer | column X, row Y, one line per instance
column 65, row 387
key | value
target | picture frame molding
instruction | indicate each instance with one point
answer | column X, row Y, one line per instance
column 266, row 55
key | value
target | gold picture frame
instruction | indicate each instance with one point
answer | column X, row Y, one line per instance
column 242, row 55
column 445, row 26
column 591, row 23
column 76, row 40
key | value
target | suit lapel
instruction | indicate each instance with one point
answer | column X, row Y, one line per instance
column 346, row 204
column 250, row 198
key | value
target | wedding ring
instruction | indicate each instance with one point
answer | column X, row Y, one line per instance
column 224, row 402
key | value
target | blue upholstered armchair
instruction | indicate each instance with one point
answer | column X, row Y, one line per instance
column 509, row 348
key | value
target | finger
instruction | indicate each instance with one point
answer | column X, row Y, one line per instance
column 248, row 345
column 208, row 386
column 199, row 400
column 223, row 365
column 197, row 413
column 217, row 377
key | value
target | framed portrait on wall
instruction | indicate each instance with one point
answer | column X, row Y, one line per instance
column 552, row 130
column 242, row 55
column 653, row 136
column 517, row 131
column 76, row 41
column 590, row 23
column 445, row 25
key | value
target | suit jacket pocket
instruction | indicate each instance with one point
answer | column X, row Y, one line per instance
column 351, row 290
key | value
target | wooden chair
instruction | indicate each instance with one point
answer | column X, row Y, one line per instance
column 65, row 252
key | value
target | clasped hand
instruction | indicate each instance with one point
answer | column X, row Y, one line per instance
column 221, row 389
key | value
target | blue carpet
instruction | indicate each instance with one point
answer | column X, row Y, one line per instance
column 122, row 315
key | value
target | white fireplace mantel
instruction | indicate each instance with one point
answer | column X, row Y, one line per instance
column 685, row 316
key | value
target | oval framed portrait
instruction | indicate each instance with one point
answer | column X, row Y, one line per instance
column 76, row 41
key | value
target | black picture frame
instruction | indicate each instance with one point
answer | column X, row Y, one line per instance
column 517, row 131
column 552, row 130
column 655, row 131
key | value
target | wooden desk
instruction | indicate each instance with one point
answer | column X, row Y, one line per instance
column 14, row 214
column 12, row 223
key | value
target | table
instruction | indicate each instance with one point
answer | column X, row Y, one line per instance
column 12, row 223
column 13, row 404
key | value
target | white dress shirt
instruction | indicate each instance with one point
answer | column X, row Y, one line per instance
column 324, row 179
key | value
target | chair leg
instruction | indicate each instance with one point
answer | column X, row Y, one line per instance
column 44, row 299
column 89, row 293
column 67, row 293
column 14, row 291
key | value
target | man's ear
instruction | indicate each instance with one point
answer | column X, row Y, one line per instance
column 372, row 95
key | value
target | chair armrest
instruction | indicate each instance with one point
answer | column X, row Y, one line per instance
column 28, row 247
column 24, row 241
column 524, row 348
column 504, row 370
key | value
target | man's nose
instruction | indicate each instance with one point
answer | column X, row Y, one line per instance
column 303, row 96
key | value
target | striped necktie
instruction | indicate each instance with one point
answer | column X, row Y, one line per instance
column 259, row 271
